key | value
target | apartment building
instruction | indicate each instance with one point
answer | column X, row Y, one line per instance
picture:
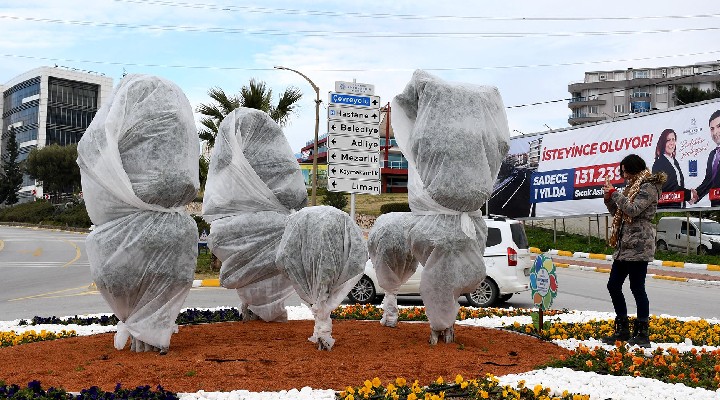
column 610, row 94
column 49, row 105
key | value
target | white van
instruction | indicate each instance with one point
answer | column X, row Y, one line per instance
column 507, row 265
column 674, row 233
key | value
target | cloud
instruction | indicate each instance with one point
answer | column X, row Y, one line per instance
column 333, row 47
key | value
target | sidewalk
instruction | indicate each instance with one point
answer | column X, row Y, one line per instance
column 706, row 274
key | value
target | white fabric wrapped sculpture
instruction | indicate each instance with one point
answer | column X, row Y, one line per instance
column 324, row 254
column 388, row 245
column 254, row 182
column 138, row 164
column 454, row 137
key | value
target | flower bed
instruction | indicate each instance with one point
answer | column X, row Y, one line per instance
column 674, row 359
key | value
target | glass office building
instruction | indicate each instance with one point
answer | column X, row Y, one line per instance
column 49, row 105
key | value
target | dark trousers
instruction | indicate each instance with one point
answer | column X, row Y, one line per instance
column 637, row 271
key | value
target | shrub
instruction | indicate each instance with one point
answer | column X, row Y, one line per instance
column 32, row 212
column 74, row 215
column 334, row 199
column 201, row 224
column 394, row 207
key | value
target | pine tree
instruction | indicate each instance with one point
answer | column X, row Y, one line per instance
column 13, row 178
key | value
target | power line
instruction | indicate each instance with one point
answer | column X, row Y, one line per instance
column 213, row 67
column 673, row 79
column 327, row 13
column 311, row 33
column 397, row 69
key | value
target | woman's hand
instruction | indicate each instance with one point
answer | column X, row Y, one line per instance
column 608, row 188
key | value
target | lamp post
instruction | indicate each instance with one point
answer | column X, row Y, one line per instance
column 317, row 128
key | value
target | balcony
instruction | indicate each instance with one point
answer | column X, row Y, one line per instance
column 641, row 96
column 584, row 118
column 395, row 164
column 577, row 102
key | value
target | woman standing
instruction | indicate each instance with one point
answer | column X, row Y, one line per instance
column 633, row 236
column 666, row 162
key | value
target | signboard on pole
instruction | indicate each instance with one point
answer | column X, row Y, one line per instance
column 355, row 100
column 353, row 186
column 353, row 128
column 354, row 88
column 354, row 139
column 369, row 143
column 368, row 172
column 355, row 114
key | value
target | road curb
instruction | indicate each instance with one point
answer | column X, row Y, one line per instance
column 608, row 257
column 674, row 264
column 206, row 283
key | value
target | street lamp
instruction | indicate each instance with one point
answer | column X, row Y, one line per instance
column 317, row 128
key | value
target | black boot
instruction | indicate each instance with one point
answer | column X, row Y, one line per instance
column 641, row 334
column 622, row 331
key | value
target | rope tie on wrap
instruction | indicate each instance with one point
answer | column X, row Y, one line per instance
column 466, row 223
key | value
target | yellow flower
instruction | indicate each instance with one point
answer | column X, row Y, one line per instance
column 367, row 384
column 412, row 396
column 537, row 389
column 376, row 382
column 439, row 380
column 400, row 382
column 458, row 378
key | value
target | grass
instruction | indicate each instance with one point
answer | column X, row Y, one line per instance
column 369, row 204
column 542, row 238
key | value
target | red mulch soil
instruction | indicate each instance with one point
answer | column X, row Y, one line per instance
column 261, row 356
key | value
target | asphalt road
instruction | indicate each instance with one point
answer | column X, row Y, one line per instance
column 511, row 198
column 46, row 273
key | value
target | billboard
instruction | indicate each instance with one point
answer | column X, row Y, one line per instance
column 561, row 173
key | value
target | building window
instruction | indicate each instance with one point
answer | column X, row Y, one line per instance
column 619, row 108
column 619, row 76
column 619, row 92
column 661, row 90
column 593, row 110
column 640, row 106
column 641, row 74
column 592, row 94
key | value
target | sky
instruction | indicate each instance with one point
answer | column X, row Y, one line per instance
column 529, row 50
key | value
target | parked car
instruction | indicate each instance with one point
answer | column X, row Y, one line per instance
column 677, row 233
column 507, row 263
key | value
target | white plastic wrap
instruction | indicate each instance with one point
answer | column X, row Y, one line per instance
column 454, row 137
column 144, row 266
column 324, row 254
column 138, row 164
column 254, row 183
column 140, row 151
column 389, row 249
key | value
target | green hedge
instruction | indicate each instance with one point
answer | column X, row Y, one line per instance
column 65, row 215
column 34, row 212
column 394, row 207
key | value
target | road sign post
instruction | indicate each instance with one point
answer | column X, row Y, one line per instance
column 353, row 139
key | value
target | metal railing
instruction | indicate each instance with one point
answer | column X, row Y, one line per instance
column 395, row 164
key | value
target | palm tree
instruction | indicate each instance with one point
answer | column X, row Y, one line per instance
column 256, row 96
